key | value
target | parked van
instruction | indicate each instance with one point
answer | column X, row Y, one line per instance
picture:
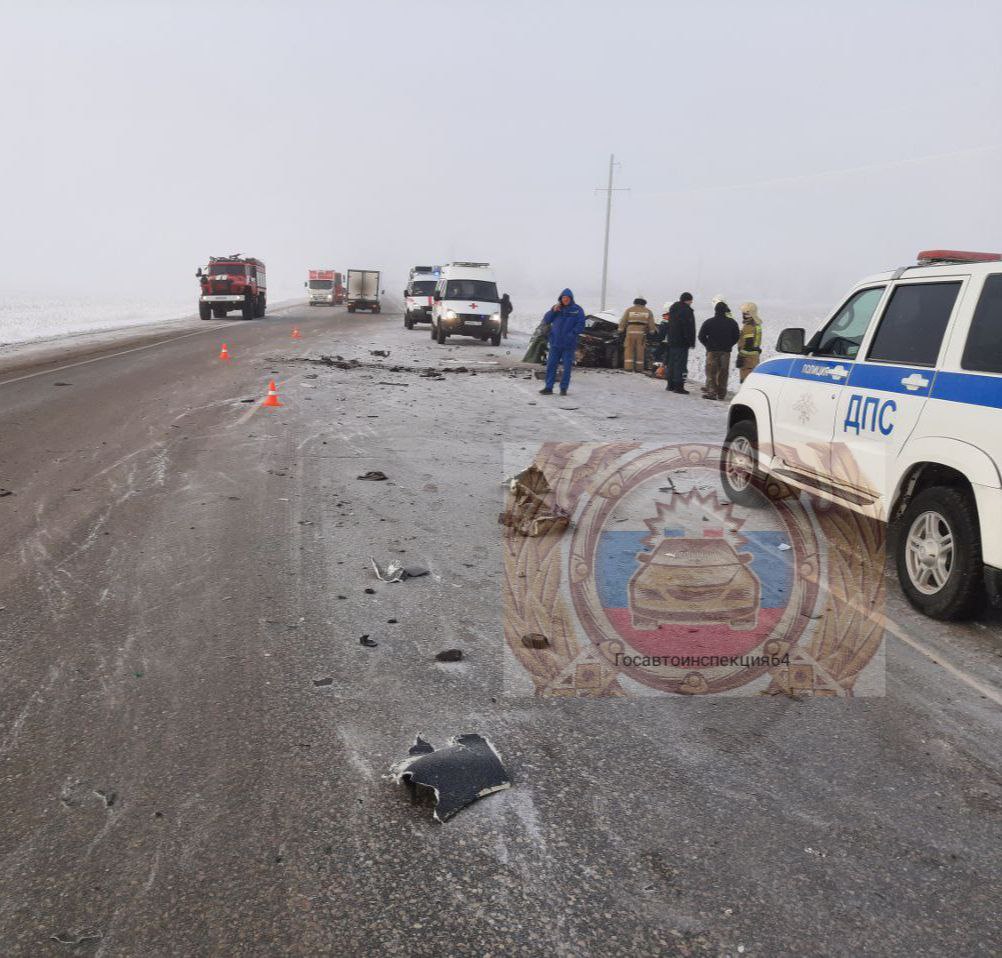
column 420, row 294
column 466, row 303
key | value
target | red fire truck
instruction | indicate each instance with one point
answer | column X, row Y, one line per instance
column 231, row 283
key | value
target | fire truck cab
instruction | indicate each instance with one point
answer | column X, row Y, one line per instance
column 232, row 283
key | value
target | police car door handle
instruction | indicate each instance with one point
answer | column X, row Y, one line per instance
column 914, row 381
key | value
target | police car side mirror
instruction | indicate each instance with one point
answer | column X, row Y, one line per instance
column 791, row 341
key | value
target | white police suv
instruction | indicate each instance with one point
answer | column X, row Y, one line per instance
column 893, row 409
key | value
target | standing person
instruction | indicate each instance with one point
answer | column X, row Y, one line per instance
column 566, row 321
column 681, row 338
column 637, row 321
column 719, row 335
column 750, row 344
column 506, row 311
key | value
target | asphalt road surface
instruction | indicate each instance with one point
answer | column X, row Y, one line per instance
column 179, row 568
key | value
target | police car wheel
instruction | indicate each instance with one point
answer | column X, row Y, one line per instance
column 938, row 554
column 738, row 474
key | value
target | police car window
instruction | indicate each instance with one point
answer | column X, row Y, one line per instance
column 912, row 327
column 983, row 351
column 842, row 336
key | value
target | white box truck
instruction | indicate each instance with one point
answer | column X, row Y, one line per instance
column 363, row 290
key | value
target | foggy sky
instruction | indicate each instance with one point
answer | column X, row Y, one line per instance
column 774, row 150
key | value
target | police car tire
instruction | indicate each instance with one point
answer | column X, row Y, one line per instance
column 963, row 593
column 751, row 494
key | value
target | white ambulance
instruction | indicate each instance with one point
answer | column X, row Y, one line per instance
column 893, row 409
column 418, row 296
column 466, row 303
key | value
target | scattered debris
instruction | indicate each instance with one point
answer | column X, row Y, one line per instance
column 449, row 655
column 370, row 591
column 784, row 547
column 248, row 400
column 532, row 511
column 62, row 384
column 367, row 642
column 451, row 778
column 373, row 475
column 5, row 492
column 402, row 385
column 379, row 352
column 68, row 938
column 396, row 571
column 340, row 362
column 535, row 640
column 323, row 683
column 392, row 572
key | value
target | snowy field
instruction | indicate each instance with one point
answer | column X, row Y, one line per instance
column 26, row 319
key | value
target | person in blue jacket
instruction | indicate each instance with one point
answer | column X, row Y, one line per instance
column 566, row 321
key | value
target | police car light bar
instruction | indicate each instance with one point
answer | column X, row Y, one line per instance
column 932, row 257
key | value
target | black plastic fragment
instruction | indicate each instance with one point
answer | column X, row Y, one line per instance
column 373, row 475
column 449, row 655
column 367, row 642
column 452, row 777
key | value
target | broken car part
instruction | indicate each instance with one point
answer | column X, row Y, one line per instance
column 455, row 776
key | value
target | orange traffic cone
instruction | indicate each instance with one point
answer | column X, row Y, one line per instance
column 223, row 354
column 272, row 398
column 295, row 333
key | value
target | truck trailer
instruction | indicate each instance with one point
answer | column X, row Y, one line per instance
column 363, row 290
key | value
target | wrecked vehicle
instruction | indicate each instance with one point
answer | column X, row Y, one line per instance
column 599, row 345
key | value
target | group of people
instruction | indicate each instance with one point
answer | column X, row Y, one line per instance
column 676, row 335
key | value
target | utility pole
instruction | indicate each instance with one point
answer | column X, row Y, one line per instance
column 609, row 190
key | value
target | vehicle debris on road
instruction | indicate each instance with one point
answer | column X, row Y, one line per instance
column 466, row 769
column 373, row 475
column 367, row 642
column 396, row 571
column 532, row 511
column 449, row 655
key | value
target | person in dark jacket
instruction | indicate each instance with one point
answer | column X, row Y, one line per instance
column 681, row 338
column 506, row 311
column 566, row 321
column 719, row 335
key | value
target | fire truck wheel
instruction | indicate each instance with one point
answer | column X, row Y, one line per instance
column 248, row 308
column 204, row 311
column 262, row 306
